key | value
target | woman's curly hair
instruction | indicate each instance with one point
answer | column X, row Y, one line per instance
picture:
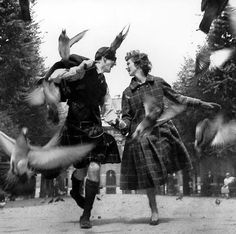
column 140, row 60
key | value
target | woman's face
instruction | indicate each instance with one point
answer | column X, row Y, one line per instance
column 131, row 67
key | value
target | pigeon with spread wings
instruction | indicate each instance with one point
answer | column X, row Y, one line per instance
column 207, row 60
column 47, row 92
column 153, row 117
column 220, row 14
column 215, row 133
column 211, row 9
column 64, row 43
column 26, row 159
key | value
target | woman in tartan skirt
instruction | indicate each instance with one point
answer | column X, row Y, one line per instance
column 147, row 160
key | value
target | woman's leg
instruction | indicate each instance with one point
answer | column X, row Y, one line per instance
column 153, row 205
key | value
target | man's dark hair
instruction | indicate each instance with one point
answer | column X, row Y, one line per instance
column 105, row 52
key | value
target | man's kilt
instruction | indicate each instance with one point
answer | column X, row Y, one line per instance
column 106, row 150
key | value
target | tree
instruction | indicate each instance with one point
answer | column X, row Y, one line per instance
column 221, row 83
column 216, row 86
column 20, row 64
column 25, row 10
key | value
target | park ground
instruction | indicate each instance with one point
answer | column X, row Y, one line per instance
column 121, row 213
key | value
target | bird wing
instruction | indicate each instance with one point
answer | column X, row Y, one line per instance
column 63, row 45
column 36, row 97
column 202, row 60
column 226, row 134
column 150, row 104
column 232, row 17
column 206, row 131
column 7, row 144
column 152, row 111
column 203, row 5
column 51, row 92
column 54, row 140
column 119, row 38
column 57, row 157
column 219, row 57
column 151, row 120
column 199, row 133
column 170, row 113
column 77, row 37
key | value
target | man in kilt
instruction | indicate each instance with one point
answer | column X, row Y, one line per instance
column 148, row 159
column 85, row 89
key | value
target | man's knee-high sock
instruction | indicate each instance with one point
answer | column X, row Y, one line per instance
column 77, row 190
column 91, row 189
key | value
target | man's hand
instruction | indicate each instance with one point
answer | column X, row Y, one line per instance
column 87, row 63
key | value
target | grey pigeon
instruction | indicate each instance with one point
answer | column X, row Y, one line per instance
column 215, row 133
column 26, row 159
column 64, row 43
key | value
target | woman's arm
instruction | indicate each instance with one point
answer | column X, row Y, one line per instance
column 185, row 100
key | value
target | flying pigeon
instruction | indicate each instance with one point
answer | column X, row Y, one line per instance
column 64, row 43
column 211, row 8
column 119, row 39
column 47, row 93
column 215, row 133
column 152, row 117
column 232, row 16
column 26, row 159
column 207, row 60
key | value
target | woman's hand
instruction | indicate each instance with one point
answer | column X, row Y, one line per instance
column 122, row 124
column 210, row 105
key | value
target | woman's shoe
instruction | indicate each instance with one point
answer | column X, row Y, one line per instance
column 154, row 222
column 85, row 223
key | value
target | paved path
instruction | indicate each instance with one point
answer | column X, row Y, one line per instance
column 121, row 214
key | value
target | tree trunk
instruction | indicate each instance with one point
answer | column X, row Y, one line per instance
column 25, row 10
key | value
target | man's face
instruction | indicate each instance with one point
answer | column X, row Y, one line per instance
column 108, row 64
column 131, row 68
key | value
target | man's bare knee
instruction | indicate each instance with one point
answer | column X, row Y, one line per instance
column 94, row 171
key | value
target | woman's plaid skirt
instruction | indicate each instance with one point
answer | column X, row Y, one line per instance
column 106, row 150
column 147, row 161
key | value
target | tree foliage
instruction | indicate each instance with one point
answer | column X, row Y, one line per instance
column 215, row 86
column 221, row 83
column 20, row 64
